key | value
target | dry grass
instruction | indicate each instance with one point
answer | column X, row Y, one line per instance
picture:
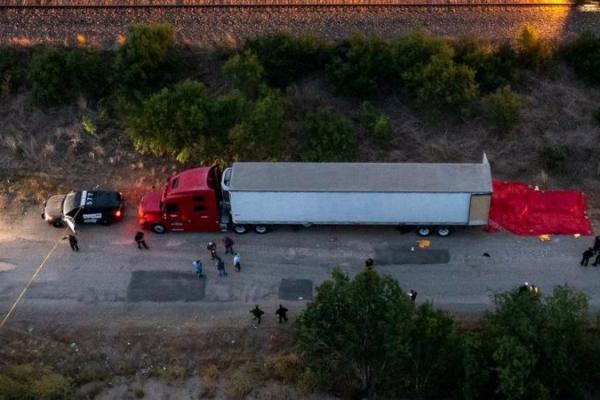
column 209, row 375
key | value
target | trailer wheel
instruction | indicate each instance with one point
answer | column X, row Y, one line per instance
column 159, row 228
column 57, row 223
column 442, row 231
column 240, row 229
column 261, row 229
column 423, row 231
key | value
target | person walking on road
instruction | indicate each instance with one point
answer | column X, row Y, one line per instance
column 212, row 249
column 220, row 267
column 586, row 257
column 236, row 262
column 228, row 243
column 72, row 242
column 139, row 239
column 282, row 314
column 258, row 313
column 198, row 268
column 596, row 244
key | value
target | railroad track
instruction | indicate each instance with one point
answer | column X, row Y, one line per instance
column 292, row 4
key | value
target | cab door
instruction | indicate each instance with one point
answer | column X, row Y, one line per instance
column 204, row 212
column 173, row 217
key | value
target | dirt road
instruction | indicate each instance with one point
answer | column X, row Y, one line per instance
column 110, row 282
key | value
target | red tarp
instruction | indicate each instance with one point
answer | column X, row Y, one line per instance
column 521, row 209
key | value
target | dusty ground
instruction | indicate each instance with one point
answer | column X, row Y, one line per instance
column 227, row 26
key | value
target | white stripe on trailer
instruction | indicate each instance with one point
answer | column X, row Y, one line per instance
column 83, row 198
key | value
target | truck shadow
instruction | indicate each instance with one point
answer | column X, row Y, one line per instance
column 165, row 286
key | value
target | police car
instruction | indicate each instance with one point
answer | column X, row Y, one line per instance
column 84, row 206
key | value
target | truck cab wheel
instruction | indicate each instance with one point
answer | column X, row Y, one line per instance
column 261, row 229
column 57, row 224
column 158, row 228
column 240, row 229
column 442, row 231
column 423, row 231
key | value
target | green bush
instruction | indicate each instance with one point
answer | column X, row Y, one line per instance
column 443, row 85
column 376, row 123
column 261, row 135
column 58, row 75
column 245, row 72
column 360, row 64
column 328, row 136
column 23, row 382
column 555, row 158
column 493, row 69
column 364, row 336
column 148, row 60
column 533, row 52
column 185, row 121
column 503, row 109
column 413, row 52
column 14, row 64
column 287, row 58
column 534, row 345
column 584, row 56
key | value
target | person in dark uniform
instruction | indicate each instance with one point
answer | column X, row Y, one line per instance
column 413, row 295
column 139, row 239
column 586, row 257
column 596, row 244
column 282, row 313
column 258, row 313
column 369, row 263
column 72, row 242
column 597, row 260
column 524, row 287
column 212, row 249
column 228, row 243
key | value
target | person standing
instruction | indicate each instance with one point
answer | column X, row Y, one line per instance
column 139, row 239
column 212, row 249
column 586, row 257
column 596, row 244
column 236, row 262
column 221, row 267
column 597, row 260
column 282, row 314
column 228, row 243
column 369, row 263
column 413, row 295
column 198, row 268
column 72, row 242
column 258, row 313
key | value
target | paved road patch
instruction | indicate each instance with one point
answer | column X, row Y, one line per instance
column 165, row 286
column 296, row 289
column 403, row 255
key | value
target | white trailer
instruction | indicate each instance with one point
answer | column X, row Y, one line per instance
column 432, row 197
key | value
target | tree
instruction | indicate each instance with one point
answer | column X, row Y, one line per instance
column 287, row 57
column 245, row 72
column 360, row 64
column 147, row 60
column 328, row 136
column 503, row 109
column 58, row 75
column 535, row 345
column 377, row 124
column 261, row 135
column 14, row 66
column 443, row 85
column 584, row 56
column 185, row 121
column 533, row 52
column 366, row 335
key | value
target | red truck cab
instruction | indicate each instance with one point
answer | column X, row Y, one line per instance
column 189, row 202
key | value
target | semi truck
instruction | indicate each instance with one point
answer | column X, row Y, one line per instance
column 433, row 197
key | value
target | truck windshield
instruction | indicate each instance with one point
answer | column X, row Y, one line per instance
column 72, row 201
